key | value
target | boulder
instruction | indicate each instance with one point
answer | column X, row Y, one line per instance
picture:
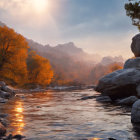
column 119, row 84
column 2, row 130
column 4, row 94
column 128, row 101
column 132, row 63
column 135, row 112
column 103, row 99
column 2, row 100
column 88, row 97
column 18, row 137
column 7, row 89
column 135, row 45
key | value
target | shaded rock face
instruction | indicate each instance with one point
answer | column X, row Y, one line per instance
column 138, row 90
column 119, row 84
column 135, row 46
column 128, row 101
column 7, row 89
column 103, row 99
column 4, row 94
column 135, row 112
column 132, row 63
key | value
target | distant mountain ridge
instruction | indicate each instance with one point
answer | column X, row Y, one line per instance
column 70, row 63
column 109, row 59
column 67, row 49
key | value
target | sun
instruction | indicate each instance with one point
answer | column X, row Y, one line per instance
column 40, row 5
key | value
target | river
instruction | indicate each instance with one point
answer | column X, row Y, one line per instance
column 61, row 116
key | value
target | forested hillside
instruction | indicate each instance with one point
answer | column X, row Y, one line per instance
column 19, row 66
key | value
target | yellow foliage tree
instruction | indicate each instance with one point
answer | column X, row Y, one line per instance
column 39, row 68
column 13, row 55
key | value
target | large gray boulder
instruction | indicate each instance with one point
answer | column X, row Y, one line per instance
column 128, row 101
column 132, row 63
column 119, row 84
column 135, row 112
column 135, row 46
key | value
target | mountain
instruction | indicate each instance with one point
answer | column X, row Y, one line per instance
column 67, row 49
column 109, row 60
column 69, row 62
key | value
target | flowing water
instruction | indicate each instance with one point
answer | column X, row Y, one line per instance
column 61, row 116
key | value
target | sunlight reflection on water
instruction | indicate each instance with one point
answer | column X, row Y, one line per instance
column 18, row 123
column 95, row 139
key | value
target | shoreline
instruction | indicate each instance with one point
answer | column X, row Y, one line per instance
column 57, row 88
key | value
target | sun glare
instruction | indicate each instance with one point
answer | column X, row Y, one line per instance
column 40, row 5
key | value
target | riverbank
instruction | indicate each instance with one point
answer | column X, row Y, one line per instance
column 55, row 88
column 7, row 93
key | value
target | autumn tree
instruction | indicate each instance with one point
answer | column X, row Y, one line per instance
column 13, row 54
column 39, row 68
column 115, row 66
column 100, row 70
column 133, row 11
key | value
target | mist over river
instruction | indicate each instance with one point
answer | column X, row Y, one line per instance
column 61, row 116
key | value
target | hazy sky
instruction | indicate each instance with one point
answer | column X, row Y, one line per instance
column 97, row 26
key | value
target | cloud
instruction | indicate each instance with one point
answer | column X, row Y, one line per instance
column 108, row 45
column 97, row 26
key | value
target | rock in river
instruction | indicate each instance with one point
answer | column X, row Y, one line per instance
column 128, row 101
column 135, row 112
column 103, row 99
column 119, row 84
column 4, row 94
column 7, row 89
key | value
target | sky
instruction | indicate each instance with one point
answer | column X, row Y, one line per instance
column 97, row 26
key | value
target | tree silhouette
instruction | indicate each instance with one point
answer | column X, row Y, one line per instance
column 133, row 11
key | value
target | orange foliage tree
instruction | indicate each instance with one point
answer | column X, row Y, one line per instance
column 13, row 54
column 39, row 68
column 17, row 67
column 115, row 66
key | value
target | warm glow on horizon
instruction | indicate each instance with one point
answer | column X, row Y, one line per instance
column 40, row 5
